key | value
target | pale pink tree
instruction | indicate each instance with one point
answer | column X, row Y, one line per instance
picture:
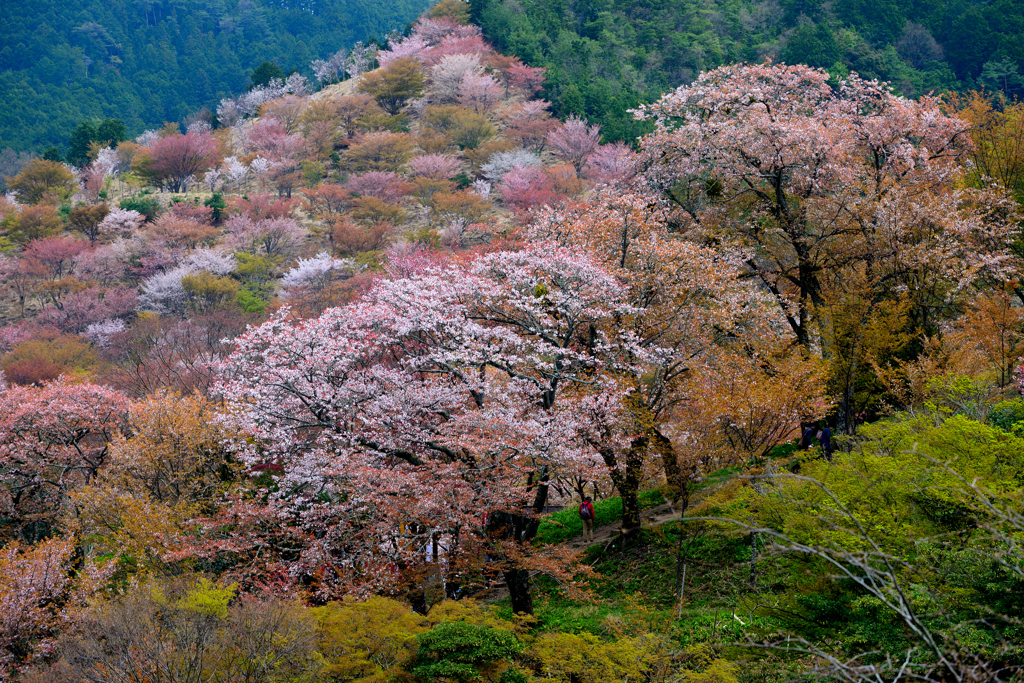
column 406, row 259
column 529, row 122
column 121, row 223
column 434, row 166
column 611, row 164
column 446, row 76
column 269, row 138
column 385, row 185
column 824, row 188
column 574, row 141
column 524, row 187
column 78, row 310
column 439, row 404
column 478, row 91
column 275, row 238
column 53, row 439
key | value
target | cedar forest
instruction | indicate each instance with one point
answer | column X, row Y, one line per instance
column 309, row 383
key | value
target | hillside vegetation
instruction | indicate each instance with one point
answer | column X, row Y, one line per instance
column 145, row 63
column 313, row 388
column 603, row 57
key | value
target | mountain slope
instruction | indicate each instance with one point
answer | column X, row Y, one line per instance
column 604, row 56
column 147, row 61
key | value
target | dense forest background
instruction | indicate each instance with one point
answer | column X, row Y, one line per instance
column 146, row 62
column 605, row 56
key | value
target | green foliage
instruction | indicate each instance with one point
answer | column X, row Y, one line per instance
column 814, row 45
column 585, row 658
column 207, row 292
column 1008, row 416
column 565, row 524
column 83, row 134
column 147, row 206
column 367, row 642
column 219, row 206
column 208, row 599
column 53, row 154
column 146, row 63
column 256, row 273
column 250, row 302
column 264, row 73
column 460, row 651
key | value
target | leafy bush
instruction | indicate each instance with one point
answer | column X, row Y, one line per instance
column 1008, row 416
column 147, row 206
column 459, row 651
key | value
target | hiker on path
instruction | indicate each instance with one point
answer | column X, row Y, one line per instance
column 587, row 517
column 807, row 439
column 825, row 439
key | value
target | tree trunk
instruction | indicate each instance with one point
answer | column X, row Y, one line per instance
column 518, row 582
column 629, row 488
column 522, row 529
column 669, row 463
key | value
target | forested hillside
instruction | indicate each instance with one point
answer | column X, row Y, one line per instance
column 146, row 61
column 392, row 375
column 604, row 56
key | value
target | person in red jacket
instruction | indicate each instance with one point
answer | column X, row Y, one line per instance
column 587, row 516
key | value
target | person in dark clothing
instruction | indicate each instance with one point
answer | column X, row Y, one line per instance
column 807, row 439
column 587, row 517
column 825, row 440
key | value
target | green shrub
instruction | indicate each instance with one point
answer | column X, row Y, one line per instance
column 147, row 206
column 1008, row 416
column 459, row 651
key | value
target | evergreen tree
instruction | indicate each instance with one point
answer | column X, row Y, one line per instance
column 78, row 145
column 264, row 73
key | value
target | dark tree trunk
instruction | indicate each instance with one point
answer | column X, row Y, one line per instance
column 629, row 487
column 518, row 582
column 521, row 528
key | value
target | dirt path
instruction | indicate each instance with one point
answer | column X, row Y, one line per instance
column 603, row 535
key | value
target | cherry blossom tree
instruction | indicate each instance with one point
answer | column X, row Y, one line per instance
column 120, row 223
column 174, row 158
column 275, row 238
column 329, row 70
column 528, row 79
column 434, row 166
column 700, row 322
column 479, row 92
column 836, row 197
column 446, row 76
column 34, row 581
column 432, row 401
column 52, row 439
column 524, row 187
column 529, row 123
column 610, row 164
column 574, row 141
column 385, row 185
column 828, row 169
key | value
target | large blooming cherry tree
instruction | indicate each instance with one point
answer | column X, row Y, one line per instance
column 832, row 195
column 441, row 404
column 53, row 439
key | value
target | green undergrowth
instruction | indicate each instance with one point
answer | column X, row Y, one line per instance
column 563, row 525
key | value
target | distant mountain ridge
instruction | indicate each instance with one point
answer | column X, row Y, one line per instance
column 150, row 61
